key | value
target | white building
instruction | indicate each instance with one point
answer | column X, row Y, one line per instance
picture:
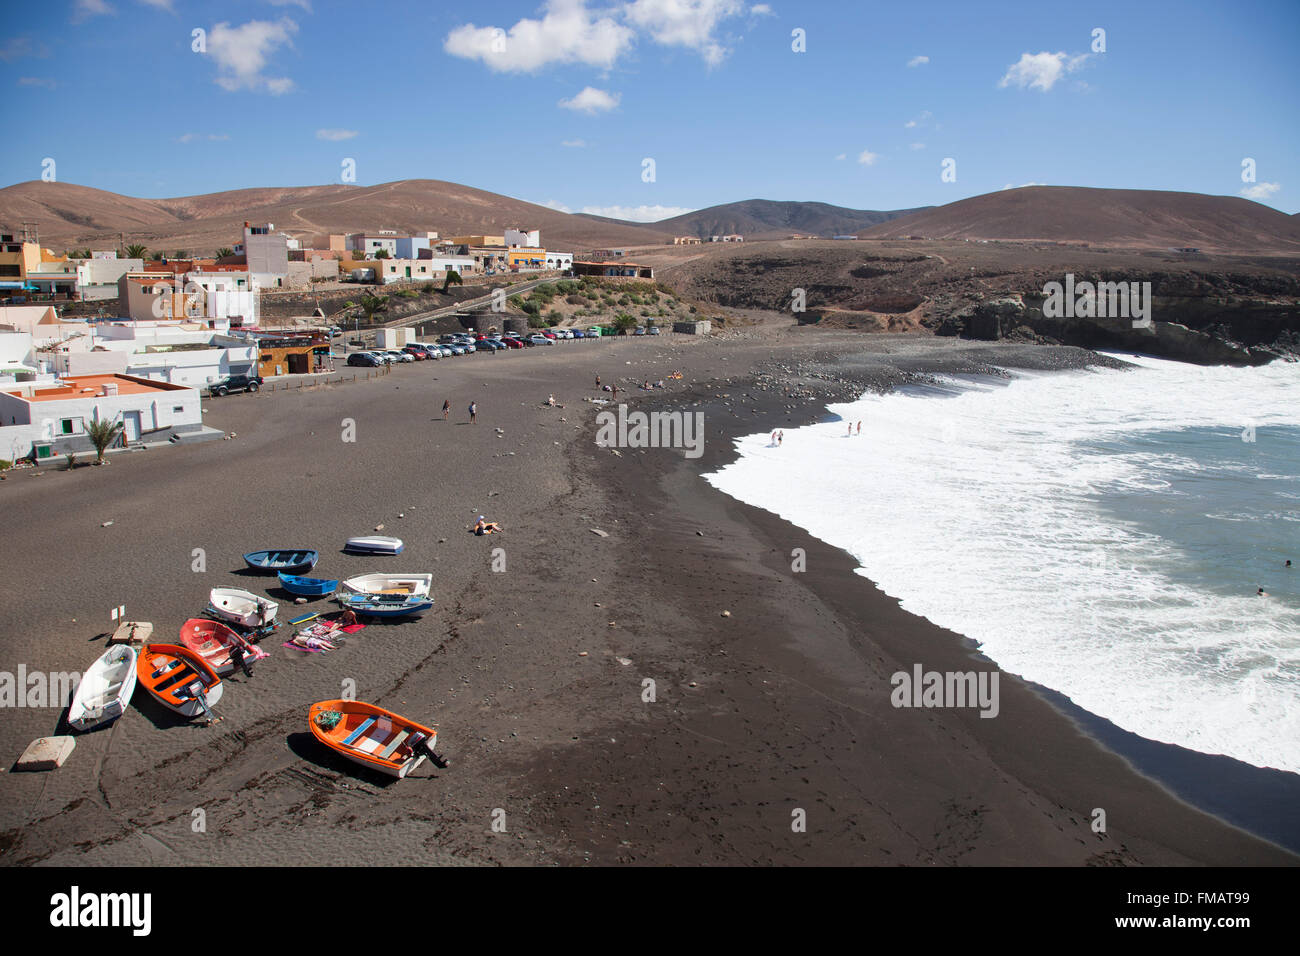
column 420, row 270
column 530, row 239
column 97, row 277
column 149, row 411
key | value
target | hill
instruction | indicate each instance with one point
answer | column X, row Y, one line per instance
column 1137, row 218
column 767, row 219
column 70, row 215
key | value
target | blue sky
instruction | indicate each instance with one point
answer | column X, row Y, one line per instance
column 561, row 102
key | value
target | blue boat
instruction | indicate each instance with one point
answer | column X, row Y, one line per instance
column 307, row 587
column 385, row 605
column 290, row 561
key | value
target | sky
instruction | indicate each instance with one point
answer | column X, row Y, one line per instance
column 649, row 108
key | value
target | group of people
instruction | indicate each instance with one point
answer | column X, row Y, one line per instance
column 473, row 410
column 778, row 436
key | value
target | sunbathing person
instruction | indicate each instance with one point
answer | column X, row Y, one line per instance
column 483, row 526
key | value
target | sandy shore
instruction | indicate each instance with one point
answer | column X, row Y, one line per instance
column 535, row 675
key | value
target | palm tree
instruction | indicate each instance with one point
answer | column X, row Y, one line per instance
column 370, row 304
column 136, row 251
column 452, row 278
column 102, row 432
column 224, row 251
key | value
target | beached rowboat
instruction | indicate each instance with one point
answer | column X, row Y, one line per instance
column 414, row 585
column 242, row 607
column 213, row 641
column 178, row 678
column 307, row 587
column 374, row 544
column 371, row 736
column 385, row 605
column 105, row 689
column 288, row 560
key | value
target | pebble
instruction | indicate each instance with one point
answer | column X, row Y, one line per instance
column 603, row 534
column 105, row 524
column 379, row 527
column 726, row 614
column 582, row 653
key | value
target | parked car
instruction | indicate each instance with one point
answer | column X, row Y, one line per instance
column 595, row 331
column 513, row 343
column 538, row 339
column 365, row 360
column 399, row 356
column 416, row 352
column 487, row 345
column 639, row 330
column 382, row 356
column 653, row 330
column 235, row 383
column 549, row 334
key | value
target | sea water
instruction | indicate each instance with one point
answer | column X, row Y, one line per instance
column 1102, row 533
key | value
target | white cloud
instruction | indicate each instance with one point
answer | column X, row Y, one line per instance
column 918, row 61
column 762, row 10
column 305, row 4
column 592, row 101
column 1022, row 185
column 242, row 53
column 160, row 4
column 1260, row 191
column 688, row 23
column 916, row 146
column 842, row 156
column 919, row 121
column 574, row 143
column 867, row 157
column 567, row 33
column 212, row 137
column 637, row 213
column 15, row 48
column 36, row 81
column 335, row 135
column 554, row 204
column 1041, row 71
column 84, row 9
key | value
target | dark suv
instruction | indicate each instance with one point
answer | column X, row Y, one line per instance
column 235, row 383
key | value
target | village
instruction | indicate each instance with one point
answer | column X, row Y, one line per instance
column 138, row 339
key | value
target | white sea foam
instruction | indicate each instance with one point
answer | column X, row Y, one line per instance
column 983, row 509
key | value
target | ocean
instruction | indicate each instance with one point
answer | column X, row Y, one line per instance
column 1102, row 533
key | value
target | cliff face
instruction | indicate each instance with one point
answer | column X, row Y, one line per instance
column 1202, row 330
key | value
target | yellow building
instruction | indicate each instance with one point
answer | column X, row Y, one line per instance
column 18, row 258
column 477, row 240
column 525, row 258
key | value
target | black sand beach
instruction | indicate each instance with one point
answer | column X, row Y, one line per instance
column 535, row 675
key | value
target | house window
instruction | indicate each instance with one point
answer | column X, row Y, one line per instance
column 178, row 409
column 66, row 426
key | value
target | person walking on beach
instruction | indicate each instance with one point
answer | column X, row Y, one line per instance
column 598, row 383
column 850, row 434
column 614, row 393
column 780, row 437
column 473, row 411
column 859, row 428
column 446, row 409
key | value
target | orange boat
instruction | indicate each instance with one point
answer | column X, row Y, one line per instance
column 178, row 678
column 213, row 641
column 371, row 736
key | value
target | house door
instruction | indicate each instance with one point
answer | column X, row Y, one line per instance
column 131, row 426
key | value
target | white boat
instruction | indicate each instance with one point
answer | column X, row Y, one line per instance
column 243, row 607
column 374, row 544
column 105, row 689
column 412, row 585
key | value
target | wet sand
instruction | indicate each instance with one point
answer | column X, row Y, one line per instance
column 536, row 675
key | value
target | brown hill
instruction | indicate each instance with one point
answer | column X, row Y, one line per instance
column 69, row 215
column 1135, row 218
column 769, row 219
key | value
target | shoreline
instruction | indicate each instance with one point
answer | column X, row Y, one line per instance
column 1245, row 799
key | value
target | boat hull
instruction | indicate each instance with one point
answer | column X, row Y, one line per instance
column 366, row 733
column 375, row 605
column 413, row 585
column 374, row 544
column 242, row 607
column 307, row 587
column 166, row 670
column 288, row 560
column 105, row 689
column 213, row 641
